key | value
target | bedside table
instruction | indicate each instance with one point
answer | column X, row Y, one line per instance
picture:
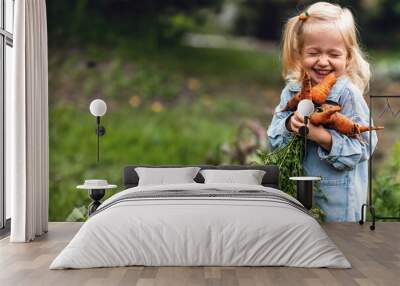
column 96, row 190
column 305, row 190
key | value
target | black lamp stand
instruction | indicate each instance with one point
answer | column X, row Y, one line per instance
column 304, row 194
column 100, row 131
column 304, row 188
column 96, row 195
column 303, row 131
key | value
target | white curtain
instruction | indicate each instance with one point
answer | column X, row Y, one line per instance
column 27, row 124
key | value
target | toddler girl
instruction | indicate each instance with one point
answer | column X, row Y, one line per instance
column 319, row 41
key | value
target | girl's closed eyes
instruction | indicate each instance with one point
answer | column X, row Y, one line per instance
column 331, row 54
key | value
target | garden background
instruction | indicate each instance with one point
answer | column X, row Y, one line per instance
column 188, row 82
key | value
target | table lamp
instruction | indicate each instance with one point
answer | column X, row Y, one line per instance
column 305, row 183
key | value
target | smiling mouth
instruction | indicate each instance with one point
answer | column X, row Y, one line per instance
column 322, row 72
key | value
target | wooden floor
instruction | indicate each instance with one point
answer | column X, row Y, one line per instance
column 374, row 255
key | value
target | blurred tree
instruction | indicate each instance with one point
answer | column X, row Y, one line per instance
column 377, row 20
column 166, row 21
column 382, row 24
column 100, row 20
column 264, row 19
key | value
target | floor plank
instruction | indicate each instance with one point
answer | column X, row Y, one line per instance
column 374, row 255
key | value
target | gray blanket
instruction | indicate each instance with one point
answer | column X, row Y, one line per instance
column 205, row 193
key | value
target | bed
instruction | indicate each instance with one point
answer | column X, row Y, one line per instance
column 201, row 224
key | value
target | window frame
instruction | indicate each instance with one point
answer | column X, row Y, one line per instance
column 6, row 39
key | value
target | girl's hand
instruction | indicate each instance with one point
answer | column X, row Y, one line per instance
column 318, row 134
column 296, row 121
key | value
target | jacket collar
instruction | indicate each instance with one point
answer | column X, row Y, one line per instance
column 335, row 92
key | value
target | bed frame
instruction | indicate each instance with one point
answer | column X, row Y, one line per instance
column 270, row 179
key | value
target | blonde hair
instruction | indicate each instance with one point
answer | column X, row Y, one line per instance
column 357, row 70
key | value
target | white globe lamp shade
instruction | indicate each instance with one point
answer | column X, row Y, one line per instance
column 98, row 107
column 305, row 107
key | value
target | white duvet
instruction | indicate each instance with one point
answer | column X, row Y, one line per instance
column 200, row 231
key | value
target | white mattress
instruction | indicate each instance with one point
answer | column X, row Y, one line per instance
column 191, row 231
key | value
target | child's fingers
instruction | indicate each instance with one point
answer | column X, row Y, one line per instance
column 295, row 124
column 299, row 117
column 295, row 130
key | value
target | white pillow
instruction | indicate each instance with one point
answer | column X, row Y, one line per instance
column 248, row 177
column 163, row 176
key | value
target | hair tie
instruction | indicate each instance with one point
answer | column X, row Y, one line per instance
column 304, row 16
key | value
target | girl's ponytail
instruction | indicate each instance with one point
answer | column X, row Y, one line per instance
column 291, row 68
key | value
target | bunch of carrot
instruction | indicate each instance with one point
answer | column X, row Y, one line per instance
column 326, row 114
column 318, row 93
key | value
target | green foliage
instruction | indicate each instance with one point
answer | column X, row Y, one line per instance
column 288, row 160
column 318, row 213
column 107, row 21
column 174, row 27
column 386, row 186
column 386, row 196
column 78, row 214
column 150, row 83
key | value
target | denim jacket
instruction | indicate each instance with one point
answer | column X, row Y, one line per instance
column 343, row 170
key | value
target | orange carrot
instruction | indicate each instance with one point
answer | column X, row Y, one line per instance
column 320, row 92
column 322, row 115
column 329, row 116
column 346, row 126
column 317, row 93
column 304, row 93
